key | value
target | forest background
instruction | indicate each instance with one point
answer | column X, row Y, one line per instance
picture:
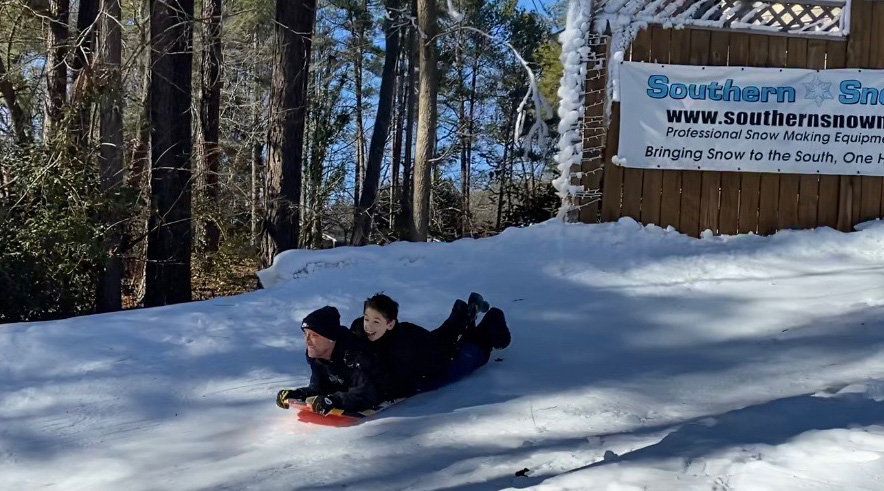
column 159, row 151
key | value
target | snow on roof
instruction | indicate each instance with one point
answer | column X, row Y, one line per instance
column 808, row 17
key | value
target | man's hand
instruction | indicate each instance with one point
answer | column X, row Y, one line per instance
column 284, row 395
column 322, row 405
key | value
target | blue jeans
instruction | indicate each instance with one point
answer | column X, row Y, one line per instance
column 468, row 357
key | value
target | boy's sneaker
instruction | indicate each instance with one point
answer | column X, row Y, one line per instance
column 476, row 304
column 497, row 332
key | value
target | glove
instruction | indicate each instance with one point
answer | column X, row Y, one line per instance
column 322, row 405
column 285, row 394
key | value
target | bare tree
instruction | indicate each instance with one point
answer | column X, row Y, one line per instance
column 257, row 158
column 426, row 119
column 169, row 235
column 82, row 91
column 467, row 151
column 210, row 114
column 57, row 72
column 504, row 169
column 288, row 110
column 109, row 296
column 20, row 124
column 406, row 224
column 367, row 201
column 357, row 21
column 399, row 125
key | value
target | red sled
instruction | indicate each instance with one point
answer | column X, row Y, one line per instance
column 335, row 417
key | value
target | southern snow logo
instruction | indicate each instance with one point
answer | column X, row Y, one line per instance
column 818, row 90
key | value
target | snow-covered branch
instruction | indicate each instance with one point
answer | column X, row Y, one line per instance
column 539, row 131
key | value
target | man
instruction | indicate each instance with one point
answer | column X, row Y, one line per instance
column 418, row 360
column 344, row 372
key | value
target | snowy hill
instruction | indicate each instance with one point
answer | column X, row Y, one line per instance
column 641, row 359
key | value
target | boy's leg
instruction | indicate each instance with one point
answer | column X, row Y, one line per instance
column 468, row 357
column 453, row 328
column 492, row 332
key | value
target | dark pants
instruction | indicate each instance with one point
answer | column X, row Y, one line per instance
column 452, row 329
column 470, row 353
column 468, row 357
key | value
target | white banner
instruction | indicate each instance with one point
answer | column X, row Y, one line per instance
column 752, row 119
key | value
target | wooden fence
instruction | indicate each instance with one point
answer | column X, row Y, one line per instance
column 741, row 202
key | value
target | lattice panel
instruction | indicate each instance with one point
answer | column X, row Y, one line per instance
column 809, row 18
column 784, row 17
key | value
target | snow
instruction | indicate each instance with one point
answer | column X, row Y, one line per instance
column 571, row 110
column 641, row 359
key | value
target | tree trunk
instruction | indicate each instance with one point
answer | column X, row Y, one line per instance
column 319, row 121
column 257, row 160
column 56, row 67
column 20, row 124
column 405, row 206
column 366, row 208
column 504, row 163
column 468, row 168
column 288, row 110
column 82, row 92
column 426, row 119
column 137, row 177
column 109, row 296
column 210, row 114
column 141, row 148
column 359, row 34
column 257, row 163
column 461, row 127
column 169, row 228
column 397, row 132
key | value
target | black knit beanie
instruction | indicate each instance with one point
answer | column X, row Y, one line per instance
column 326, row 322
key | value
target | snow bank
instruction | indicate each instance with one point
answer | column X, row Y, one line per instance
column 641, row 359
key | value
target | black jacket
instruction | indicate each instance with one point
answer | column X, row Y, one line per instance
column 353, row 379
column 410, row 354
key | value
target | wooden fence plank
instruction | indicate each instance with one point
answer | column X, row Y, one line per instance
column 612, row 180
column 787, row 214
column 858, row 49
column 768, row 201
column 710, row 185
column 652, row 184
column 632, row 177
column 692, row 181
column 670, row 201
column 594, row 136
column 792, row 185
column 876, row 61
column 809, row 184
column 827, row 211
column 732, row 182
column 750, row 182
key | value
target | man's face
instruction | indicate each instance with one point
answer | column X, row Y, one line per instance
column 376, row 325
column 318, row 346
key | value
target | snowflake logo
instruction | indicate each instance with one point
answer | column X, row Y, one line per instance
column 818, row 91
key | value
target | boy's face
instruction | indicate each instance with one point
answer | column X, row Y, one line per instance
column 376, row 325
